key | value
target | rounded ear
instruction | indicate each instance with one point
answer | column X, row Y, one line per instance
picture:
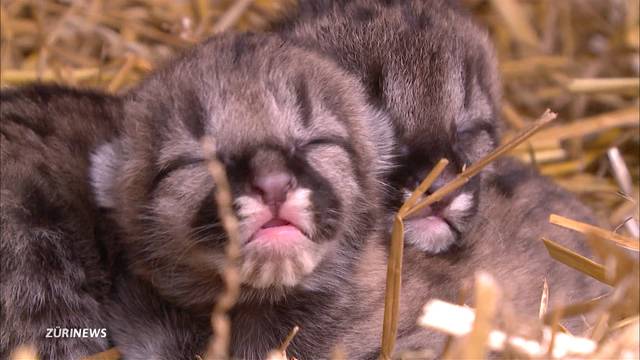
column 105, row 162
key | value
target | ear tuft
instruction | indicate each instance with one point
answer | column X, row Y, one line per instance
column 104, row 166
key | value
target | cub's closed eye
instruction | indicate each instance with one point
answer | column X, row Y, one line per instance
column 467, row 135
column 322, row 141
column 331, row 141
column 175, row 164
column 476, row 129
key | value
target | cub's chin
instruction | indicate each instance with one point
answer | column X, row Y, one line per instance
column 279, row 256
column 280, row 247
column 271, row 271
column 439, row 227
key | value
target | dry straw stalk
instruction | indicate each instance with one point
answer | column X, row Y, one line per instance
column 587, row 229
column 576, row 261
column 459, row 321
column 219, row 344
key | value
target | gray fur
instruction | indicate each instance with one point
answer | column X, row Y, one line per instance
column 55, row 263
column 432, row 70
column 262, row 99
column 132, row 256
column 255, row 95
column 504, row 241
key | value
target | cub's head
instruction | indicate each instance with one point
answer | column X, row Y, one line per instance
column 434, row 72
column 443, row 105
column 302, row 150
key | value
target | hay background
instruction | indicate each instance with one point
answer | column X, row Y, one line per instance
column 577, row 57
column 545, row 47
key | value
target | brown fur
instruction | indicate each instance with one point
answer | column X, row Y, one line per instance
column 264, row 100
column 55, row 267
column 270, row 107
column 433, row 71
column 505, row 242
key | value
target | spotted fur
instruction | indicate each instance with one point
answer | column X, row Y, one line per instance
column 428, row 66
column 434, row 72
column 271, row 108
column 504, row 241
column 55, row 253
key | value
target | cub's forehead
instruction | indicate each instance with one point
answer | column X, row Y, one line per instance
column 445, row 92
column 266, row 92
column 271, row 110
column 249, row 116
column 260, row 90
column 425, row 98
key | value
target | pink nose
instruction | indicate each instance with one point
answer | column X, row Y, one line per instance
column 273, row 187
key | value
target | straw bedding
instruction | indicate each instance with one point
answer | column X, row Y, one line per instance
column 579, row 58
